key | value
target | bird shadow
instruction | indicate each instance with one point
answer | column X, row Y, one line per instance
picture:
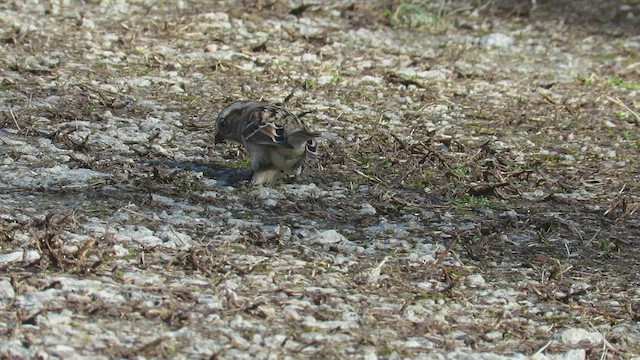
column 224, row 176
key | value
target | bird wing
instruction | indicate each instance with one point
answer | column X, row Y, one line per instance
column 276, row 126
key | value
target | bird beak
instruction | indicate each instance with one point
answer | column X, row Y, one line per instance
column 218, row 139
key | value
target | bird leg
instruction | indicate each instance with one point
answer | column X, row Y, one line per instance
column 265, row 176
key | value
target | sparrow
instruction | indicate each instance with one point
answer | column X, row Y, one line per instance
column 276, row 139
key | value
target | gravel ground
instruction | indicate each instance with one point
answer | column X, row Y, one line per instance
column 476, row 194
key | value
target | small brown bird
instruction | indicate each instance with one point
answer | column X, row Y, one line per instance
column 276, row 139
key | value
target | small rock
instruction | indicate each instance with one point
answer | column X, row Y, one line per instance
column 218, row 20
column 20, row 255
column 176, row 89
column 148, row 241
column 493, row 336
column 291, row 314
column 49, row 62
column 329, row 237
column 120, row 250
column 309, row 57
column 6, row 290
column 328, row 325
column 626, row 333
column 475, row 280
column 511, row 214
column 305, row 191
column 495, row 40
column 463, row 67
column 283, row 232
column 575, row 354
column 63, row 351
column 52, row 319
column 269, row 197
column 367, row 209
column 140, row 82
column 576, row 336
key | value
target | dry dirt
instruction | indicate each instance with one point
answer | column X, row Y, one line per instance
column 477, row 190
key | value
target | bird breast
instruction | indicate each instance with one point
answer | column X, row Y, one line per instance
column 278, row 157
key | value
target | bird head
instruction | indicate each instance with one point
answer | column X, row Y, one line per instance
column 226, row 124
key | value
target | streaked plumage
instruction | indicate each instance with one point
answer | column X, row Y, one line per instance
column 276, row 139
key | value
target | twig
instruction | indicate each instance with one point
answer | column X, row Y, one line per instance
column 82, row 251
column 543, row 348
column 193, row 258
column 372, row 178
column 570, row 225
column 547, row 97
column 624, row 106
column 145, row 347
column 374, row 274
column 606, row 342
column 15, row 120
column 594, row 237
column 125, row 208
column 399, row 141
column 177, row 236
